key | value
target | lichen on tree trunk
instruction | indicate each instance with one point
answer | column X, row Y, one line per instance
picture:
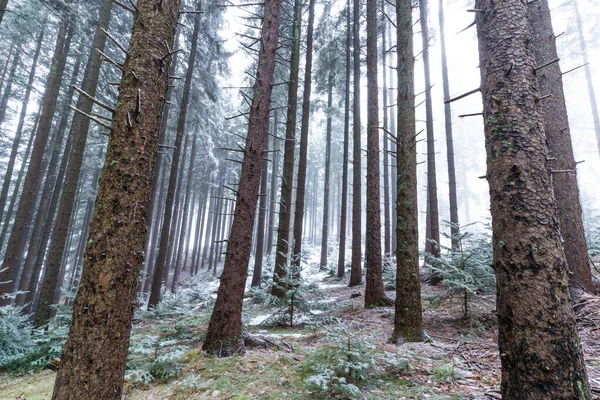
column 539, row 346
column 93, row 360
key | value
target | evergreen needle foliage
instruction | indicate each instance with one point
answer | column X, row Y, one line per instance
column 465, row 269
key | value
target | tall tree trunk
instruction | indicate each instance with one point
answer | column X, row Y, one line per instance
column 157, row 207
column 3, row 4
column 262, row 216
column 432, row 238
column 17, row 139
column 184, row 224
column 558, row 136
column 454, row 224
column 274, row 175
column 209, row 223
column 161, row 266
column 151, row 264
column 326, row 188
column 341, row 269
column 393, row 149
column 304, row 129
column 80, row 127
column 588, row 74
column 408, row 319
column 44, row 216
column 386, row 165
column 103, row 310
column 287, row 178
column 224, row 336
column 537, row 337
column 33, row 179
column 374, row 293
column 356, row 268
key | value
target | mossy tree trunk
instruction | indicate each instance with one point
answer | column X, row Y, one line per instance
column 224, row 336
column 538, row 342
column 408, row 318
column 93, row 359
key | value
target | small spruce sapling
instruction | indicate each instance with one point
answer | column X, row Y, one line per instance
column 466, row 268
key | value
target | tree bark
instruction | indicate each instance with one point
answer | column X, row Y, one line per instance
column 408, row 319
column 9, row 83
column 537, row 337
column 341, row 270
column 386, row 162
column 224, row 336
column 356, row 268
column 102, row 311
column 558, row 136
column 33, row 179
column 287, row 178
column 374, row 293
column 80, row 127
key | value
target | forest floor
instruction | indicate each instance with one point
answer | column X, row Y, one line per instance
column 459, row 362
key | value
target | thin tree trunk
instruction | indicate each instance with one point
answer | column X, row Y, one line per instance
column 161, row 267
column 408, row 317
column 341, row 269
column 558, row 135
column 17, row 139
column 33, row 179
column 9, row 82
column 102, row 310
column 3, row 4
column 304, row 130
column 374, row 292
column 287, row 178
column 224, row 336
column 386, row 165
column 80, row 127
column 184, row 224
column 432, row 239
column 151, row 265
column 262, row 214
column 356, row 268
column 454, row 224
column 326, row 188
column 393, row 149
column 274, row 174
column 537, row 337
column 44, row 212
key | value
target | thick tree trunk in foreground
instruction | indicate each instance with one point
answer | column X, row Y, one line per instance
column 408, row 319
column 558, row 135
column 341, row 270
column 80, row 127
column 356, row 268
column 374, row 293
column 103, row 309
column 287, row 178
column 17, row 240
column 537, row 339
column 304, row 128
column 454, row 224
column 224, row 336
